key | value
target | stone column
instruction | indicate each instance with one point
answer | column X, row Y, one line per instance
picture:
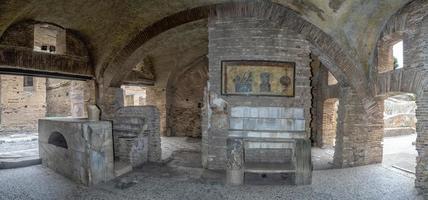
column 235, row 161
column 303, row 175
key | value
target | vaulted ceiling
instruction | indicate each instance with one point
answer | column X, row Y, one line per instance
column 108, row 26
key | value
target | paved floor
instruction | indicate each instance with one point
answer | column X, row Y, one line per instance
column 173, row 144
column 17, row 150
column 180, row 176
column 400, row 154
column 162, row 182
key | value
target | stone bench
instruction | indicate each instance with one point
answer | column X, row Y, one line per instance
column 298, row 165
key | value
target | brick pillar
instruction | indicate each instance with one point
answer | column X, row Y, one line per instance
column 421, row 61
column 421, row 181
column 352, row 131
column 376, row 131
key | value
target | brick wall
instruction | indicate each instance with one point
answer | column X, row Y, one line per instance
column 155, row 96
column 186, row 101
column 250, row 39
column 58, row 98
column 329, row 122
column 21, row 107
column 136, row 135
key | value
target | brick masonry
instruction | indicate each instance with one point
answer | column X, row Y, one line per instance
column 250, row 38
column 21, row 106
column 136, row 135
column 411, row 23
column 17, row 46
column 185, row 99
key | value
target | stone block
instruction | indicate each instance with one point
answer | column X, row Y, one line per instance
column 236, row 123
column 137, row 134
column 237, row 111
column 79, row 149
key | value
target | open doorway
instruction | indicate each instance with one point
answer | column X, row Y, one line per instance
column 399, row 151
column 324, row 116
column 26, row 99
column 185, row 102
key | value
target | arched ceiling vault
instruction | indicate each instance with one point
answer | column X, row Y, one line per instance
column 109, row 26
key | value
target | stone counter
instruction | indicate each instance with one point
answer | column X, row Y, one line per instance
column 79, row 149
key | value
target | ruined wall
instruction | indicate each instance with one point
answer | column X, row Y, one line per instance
column 21, row 106
column 187, row 95
column 68, row 98
column 156, row 96
column 329, row 122
column 250, row 39
column 136, row 135
column 58, row 98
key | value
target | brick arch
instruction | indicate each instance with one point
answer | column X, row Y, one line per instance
column 122, row 59
column 331, row 54
column 341, row 64
column 412, row 22
column 17, row 56
column 408, row 22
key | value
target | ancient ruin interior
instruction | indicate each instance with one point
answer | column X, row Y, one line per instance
column 212, row 99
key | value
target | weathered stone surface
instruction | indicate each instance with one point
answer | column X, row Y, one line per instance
column 136, row 135
column 235, row 161
column 81, row 151
column 68, row 98
column 93, row 113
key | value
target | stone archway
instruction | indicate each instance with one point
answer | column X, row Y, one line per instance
column 340, row 64
column 412, row 22
column 329, row 51
column 185, row 94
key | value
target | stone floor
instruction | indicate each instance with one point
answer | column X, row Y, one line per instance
column 18, row 150
column 400, row 154
column 322, row 158
column 164, row 182
column 173, row 144
column 180, row 176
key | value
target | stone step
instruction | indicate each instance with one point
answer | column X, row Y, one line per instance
column 121, row 168
column 11, row 163
column 127, row 129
